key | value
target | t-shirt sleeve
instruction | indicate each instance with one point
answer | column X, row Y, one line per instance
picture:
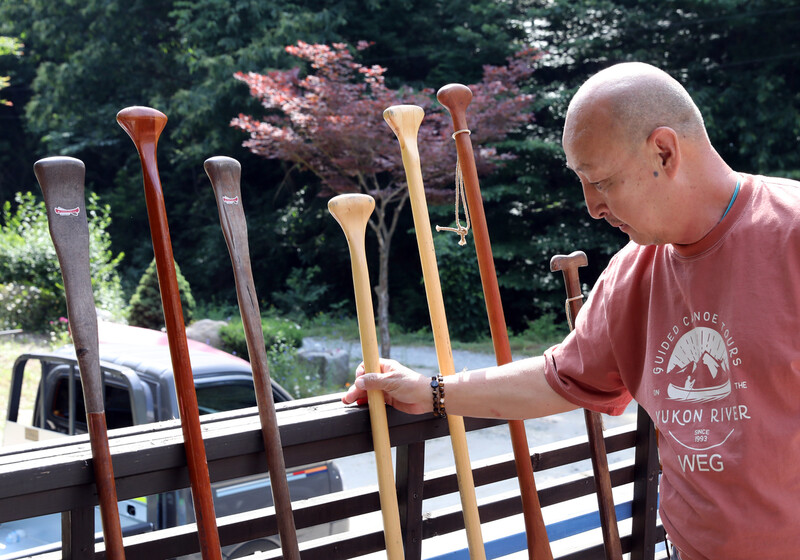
column 583, row 369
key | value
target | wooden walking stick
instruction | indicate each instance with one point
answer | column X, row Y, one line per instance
column 568, row 265
column 404, row 120
column 61, row 180
column 144, row 125
column 456, row 98
column 352, row 211
column 225, row 175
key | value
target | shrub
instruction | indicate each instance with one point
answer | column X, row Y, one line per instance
column 145, row 306
column 462, row 291
column 539, row 334
column 298, row 377
column 277, row 333
column 32, row 288
column 26, row 307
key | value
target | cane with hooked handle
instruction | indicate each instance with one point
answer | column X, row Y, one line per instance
column 144, row 126
column 456, row 98
column 352, row 212
column 225, row 176
column 404, row 120
column 568, row 265
column 61, row 180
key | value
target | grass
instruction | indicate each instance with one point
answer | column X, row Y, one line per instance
column 11, row 347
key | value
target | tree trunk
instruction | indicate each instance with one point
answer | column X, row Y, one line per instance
column 382, row 292
column 384, row 232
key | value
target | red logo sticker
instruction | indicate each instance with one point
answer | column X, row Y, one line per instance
column 67, row 211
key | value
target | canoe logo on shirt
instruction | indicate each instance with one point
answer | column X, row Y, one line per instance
column 67, row 211
column 700, row 362
column 696, row 358
column 230, row 199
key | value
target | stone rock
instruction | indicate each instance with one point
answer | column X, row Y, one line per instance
column 206, row 331
column 332, row 365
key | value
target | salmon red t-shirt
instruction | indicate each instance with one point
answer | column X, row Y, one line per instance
column 706, row 338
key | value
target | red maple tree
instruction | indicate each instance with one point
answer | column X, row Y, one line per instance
column 329, row 121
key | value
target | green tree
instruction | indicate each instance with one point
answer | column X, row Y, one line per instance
column 146, row 309
column 429, row 44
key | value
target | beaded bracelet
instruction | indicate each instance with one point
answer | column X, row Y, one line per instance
column 437, row 386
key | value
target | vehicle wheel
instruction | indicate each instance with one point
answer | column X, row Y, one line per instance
column 247, row 549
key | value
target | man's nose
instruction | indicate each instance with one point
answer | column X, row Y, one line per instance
column 594, row 201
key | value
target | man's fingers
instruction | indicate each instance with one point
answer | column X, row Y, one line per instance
column 369, row 381
column 386, row 380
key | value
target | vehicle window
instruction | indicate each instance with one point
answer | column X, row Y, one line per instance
column 220, row 397
column 117, row 406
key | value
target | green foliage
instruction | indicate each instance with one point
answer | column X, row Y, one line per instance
column 83, row 63
column 461, row 287
column 297, row 376
column 146, row 308
column 303, row 295
column 8, row 46
column 430, row 44
column 33, row 291
column 282, row 339
column 59, row 332
column 215, row 310
column 27, row 307
column 729, row 54
column 545, row 329
column 278, row 333
column 538, row 335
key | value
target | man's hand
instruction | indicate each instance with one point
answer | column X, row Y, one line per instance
column 517, row 390
column 404, row 389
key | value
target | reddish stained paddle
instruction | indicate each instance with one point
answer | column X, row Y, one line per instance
column 568, row 265
column 144, row 126
column 456, row 98
column 225, row 175
column 61, row 179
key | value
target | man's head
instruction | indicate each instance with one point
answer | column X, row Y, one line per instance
column 632, row 133
column 641, row 98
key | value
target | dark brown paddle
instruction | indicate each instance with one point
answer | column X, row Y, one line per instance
column 225, row 175
column 61, row 180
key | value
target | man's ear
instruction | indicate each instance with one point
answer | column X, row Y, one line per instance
column 665, row 145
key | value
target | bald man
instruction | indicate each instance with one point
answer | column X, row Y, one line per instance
column 696, row 319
